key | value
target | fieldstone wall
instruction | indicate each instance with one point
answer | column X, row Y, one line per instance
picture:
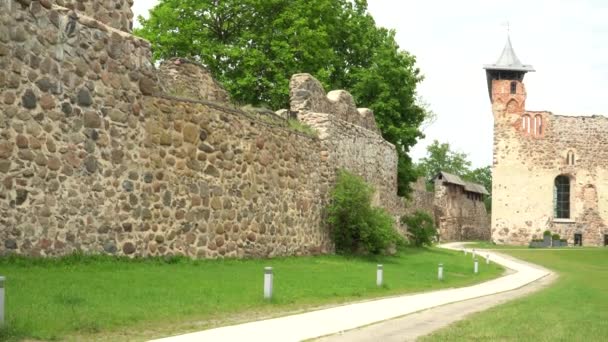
column 116, row 14
column 350, row 140
column 459, row 217
column 308, row 96
column 527, row 161
column 187, row 79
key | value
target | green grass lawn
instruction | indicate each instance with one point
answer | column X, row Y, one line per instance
column 97, row 298
column 574, row 308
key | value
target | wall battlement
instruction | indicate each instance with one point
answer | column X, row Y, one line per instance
column 101, row 152
column 308, row 96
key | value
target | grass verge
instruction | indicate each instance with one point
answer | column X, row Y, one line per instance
column 573, row 309
column 97, row 297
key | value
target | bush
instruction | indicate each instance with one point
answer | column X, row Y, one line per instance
column 555, row 237
column 356, row 227
column 420, row 228
column 547, row 233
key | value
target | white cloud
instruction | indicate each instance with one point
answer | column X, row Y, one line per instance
column 564, row 40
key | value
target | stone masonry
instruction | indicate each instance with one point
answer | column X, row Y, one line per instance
column 101, row 152
column 533, row 148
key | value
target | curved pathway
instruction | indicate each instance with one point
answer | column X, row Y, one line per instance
column 335, row 320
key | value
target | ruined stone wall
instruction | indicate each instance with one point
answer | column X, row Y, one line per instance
column 420, row 199
column 95, row 155
column 183, row 78
column 527, row 163
column 350, row 141
column 308, row 96
column 116, row 14
column 458, row 217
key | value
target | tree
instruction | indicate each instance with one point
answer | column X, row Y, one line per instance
column 483, row 176
column 441, row 158
column 356, row 226
column 420, row 228
column 254, row 46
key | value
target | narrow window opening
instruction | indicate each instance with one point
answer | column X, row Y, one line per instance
column 513, row 88
column 526, row 124
column 538, row 125
column 570, row 158
column 561, row 197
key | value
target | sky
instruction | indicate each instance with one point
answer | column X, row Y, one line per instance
column 565, row 40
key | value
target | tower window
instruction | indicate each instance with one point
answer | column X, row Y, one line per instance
column 525, row 124
column 513, row 88
column 538, row 125
column 561, row 197
column 570, row 158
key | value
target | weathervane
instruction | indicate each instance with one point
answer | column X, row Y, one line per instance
column 508, row 25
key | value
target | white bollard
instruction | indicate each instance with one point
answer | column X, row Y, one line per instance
column 474, row 254
column 487, row 259
column 476, row 266
column 379, row 275
column 268, row 282
column 2, row 300
column 465, row 252
column 440, row 272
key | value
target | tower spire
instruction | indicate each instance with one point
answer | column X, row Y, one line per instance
column 507, row 67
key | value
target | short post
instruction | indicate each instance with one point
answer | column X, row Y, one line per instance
column 268, row 282
column 465, row 252
column 487, row 259
column 2, row 300
column 440, row 272
column 474, row 253
column 379, row 275
column 476, row 266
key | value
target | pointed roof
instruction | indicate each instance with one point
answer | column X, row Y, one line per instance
column 508, row 60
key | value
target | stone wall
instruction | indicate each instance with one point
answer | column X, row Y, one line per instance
column 308, row 96
column 96, row 155
column 350, row 140
column 526, row 163
column 187, row 79
column 460, row 217
column 116, row 14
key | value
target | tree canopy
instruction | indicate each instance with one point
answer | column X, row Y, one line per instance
column 253, row 47
column 440, row 157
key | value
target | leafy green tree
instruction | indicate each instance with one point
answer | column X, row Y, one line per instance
column 357, row 227
column 483, row 176
column 254, row 46
column 420, row 228
column 441, row 158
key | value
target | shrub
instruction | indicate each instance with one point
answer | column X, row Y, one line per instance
column 555, row 237
column 420, row 228
column 357, row 227
column 547, row 233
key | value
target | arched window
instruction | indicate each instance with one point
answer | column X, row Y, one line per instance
column 561, row 197
column 570, row 158
column 538, row 125
column 525, row 124
column 513, row 88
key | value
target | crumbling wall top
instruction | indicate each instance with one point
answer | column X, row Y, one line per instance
column 307, row 95
column 188, row 79
column 114, row 13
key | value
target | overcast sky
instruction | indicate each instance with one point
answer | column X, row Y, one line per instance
column 565, row 40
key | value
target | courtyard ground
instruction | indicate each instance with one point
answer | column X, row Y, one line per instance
column 574, row 308
column 104, row 298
